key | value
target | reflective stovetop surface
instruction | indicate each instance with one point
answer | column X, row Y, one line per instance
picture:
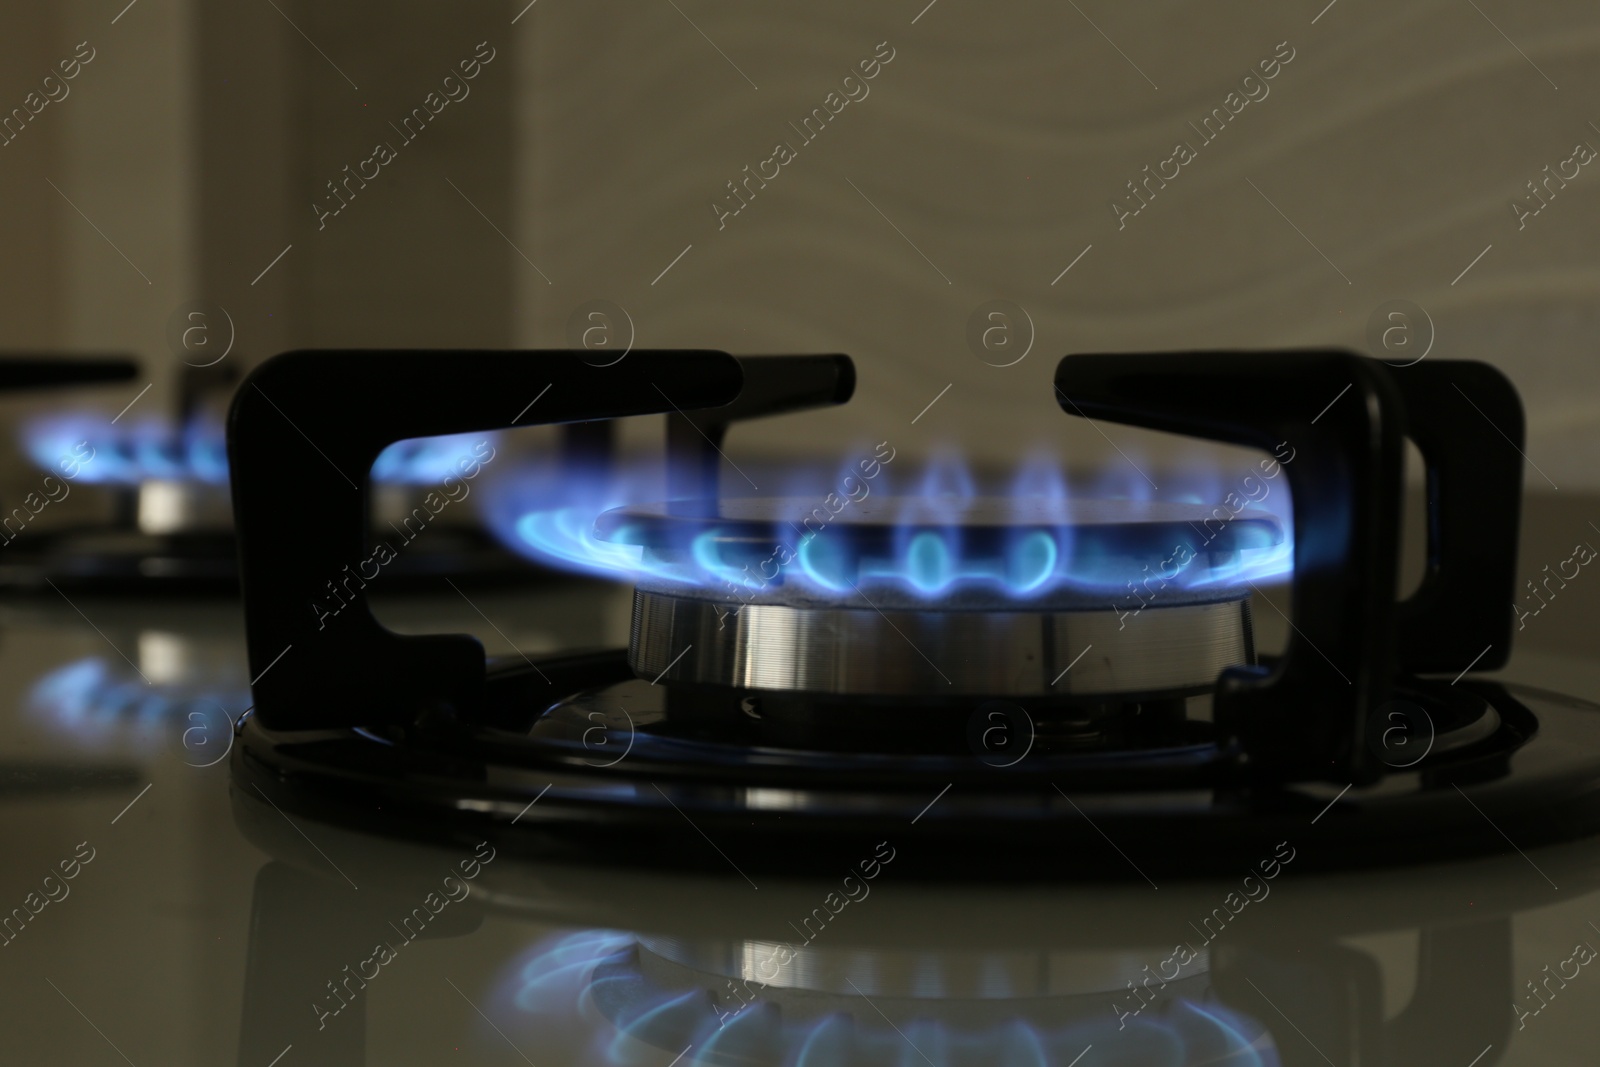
column 157, row 917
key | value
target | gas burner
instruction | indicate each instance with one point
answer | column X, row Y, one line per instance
column 865, row 691
column 980, row 599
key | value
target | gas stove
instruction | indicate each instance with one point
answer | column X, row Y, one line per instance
column 298, row 934
column 979, row 674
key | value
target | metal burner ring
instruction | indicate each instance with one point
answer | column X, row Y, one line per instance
column 1177, row 649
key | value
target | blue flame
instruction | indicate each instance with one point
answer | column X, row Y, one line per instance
column 550, row 518
column 594, row 975
column 929, row 564
column 824, row 563
column 565, row 967
column 424, row 460
column 155, row 450
column 1032, row 561
column 131, row 452
column 99, row 702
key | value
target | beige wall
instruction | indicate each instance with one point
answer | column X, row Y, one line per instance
column 32, row 270
column 97, row 262
column 996, row 138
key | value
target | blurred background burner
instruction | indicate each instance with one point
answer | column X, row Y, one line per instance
column 163, row 517
column 172, row 478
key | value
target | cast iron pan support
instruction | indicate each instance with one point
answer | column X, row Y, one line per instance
column 1454, row 409
column 773, row 385
column 1335, row 422
column 303, row 432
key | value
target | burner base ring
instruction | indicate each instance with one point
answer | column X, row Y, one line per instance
column 1178, row 649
